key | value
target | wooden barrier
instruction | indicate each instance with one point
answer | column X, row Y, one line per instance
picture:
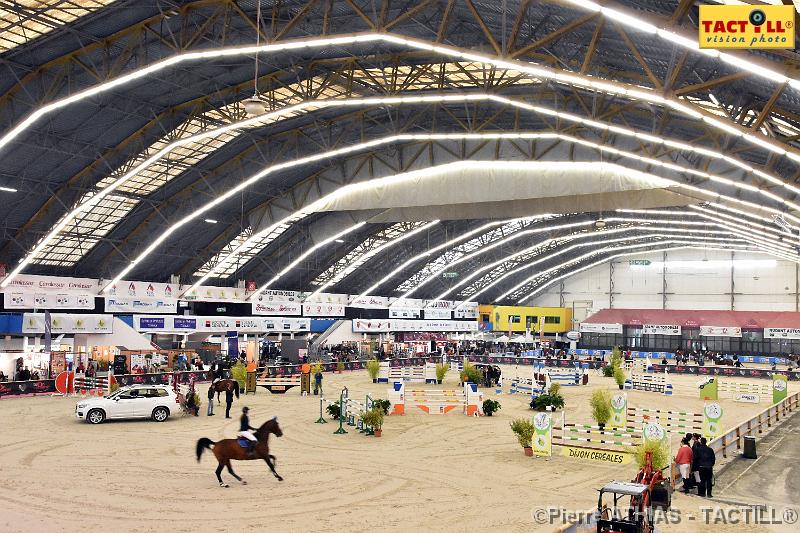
column 279, row 384
column 616, row 440
column 439, row 402
column 412, row 374
column 672, row 421
column 649, row 382
column 712, row 388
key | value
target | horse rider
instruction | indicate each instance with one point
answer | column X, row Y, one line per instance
column 246, row 431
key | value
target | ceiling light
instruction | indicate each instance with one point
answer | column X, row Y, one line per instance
column 338, row 240
column 7, row 189
column 254, row 106
column 210, row 220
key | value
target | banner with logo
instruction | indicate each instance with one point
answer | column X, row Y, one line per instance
column 661, row 329
column 465, row 310
column 218, row 324
column 277, row 308
column 779, row 388
column 143, row 289
column 619, row 411
column 600, row 328
column 782, row 333
column 38, row 284
column 720, row 331
column 709, row 389
column 543, row 435
column 67, row 323
column 47, row 300
column 140, row 305
column 362, row 325
column 438, row 304
column 370, row 302
column 598, row 456
column 404, row 312
column 438, row 314
column 655, row 432
column 712, row 417
column 746, row 26
column 323, row 309
column 208, row 293
column 328, row 298
column 270, row 295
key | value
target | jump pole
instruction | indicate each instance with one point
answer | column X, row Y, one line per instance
column 342, row 412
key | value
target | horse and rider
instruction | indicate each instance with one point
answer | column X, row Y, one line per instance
column 250, row 444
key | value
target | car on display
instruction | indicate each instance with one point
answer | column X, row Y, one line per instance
column 136, row 401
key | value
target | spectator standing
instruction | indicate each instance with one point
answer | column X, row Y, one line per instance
column 683, row 460
column 210, row 411
column 704, row 461
column 228, row 402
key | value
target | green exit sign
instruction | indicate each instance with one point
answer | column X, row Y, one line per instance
column 639, row 262
column 450, row 274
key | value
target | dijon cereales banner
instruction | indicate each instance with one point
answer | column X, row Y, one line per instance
column 747, row 26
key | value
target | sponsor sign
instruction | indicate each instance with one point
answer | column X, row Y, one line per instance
column 600, row 328
column 712, row 415
column 184, row 323
column 323, row 309
column 67, row 323
column 370, row 302
column 746, row 26
column 439, row 304
column 277, row 308
column 404, row 312
column 619, row 411
column 38, row 284
column 542, row 442
column 573, row 335
column 747, row 398
column 329, row 298
column 720, row 331
column 216, row 324
column 140, row 305
column 47, row 300
column 270, row 295
column 466, row 310
column 779, row 388
column 144, row 289
column 208, row 293
column 438, row 313
column 151, row 322
column 361, row 325
column 661, row 329
column 597, row 456
column 782, row 333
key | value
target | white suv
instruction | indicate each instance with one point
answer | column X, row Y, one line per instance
column 136, row 401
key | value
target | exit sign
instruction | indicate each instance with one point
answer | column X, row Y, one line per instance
column 450, row 274
column 639, row 262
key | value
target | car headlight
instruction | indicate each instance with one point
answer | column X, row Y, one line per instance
column 81, row 405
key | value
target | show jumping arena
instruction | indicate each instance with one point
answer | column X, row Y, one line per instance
column 426, row 473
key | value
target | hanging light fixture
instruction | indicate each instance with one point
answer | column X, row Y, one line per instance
column 254, row 105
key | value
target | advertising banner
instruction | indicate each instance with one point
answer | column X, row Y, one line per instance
column 277, row 308
column 67, row 323
column 270, row 295
column 143, row 289
column 47, row 300
column 746, row 26
column 601, row 328
column 438, row 314
column 382, row 325
column 137, row 305
column 208, row 293
column 720, row 331
column 369, row 302
column 52, row 284
column 542, row 443
column 661, row 329
column 438, row 304
column 323, row 309
column 404, row 312
column 619, row 411
column 329, row 298
column 598, row 456
column 712, row 415
column 779, row 388
column 411, row 303
column 782, row 333
column 218, row 324
column 466, row 310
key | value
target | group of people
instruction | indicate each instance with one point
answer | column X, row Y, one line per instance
column 23, row 374
column 695, row 462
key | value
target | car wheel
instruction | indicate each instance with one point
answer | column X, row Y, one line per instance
column 95, row 416
column 160, row 414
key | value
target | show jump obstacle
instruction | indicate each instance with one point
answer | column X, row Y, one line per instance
column 280, row 384
column 436, row 402
column 713, row 388
column 565, row 377
column 649, row 382
column 412, row 374
column 349, row 412
column 638, row 365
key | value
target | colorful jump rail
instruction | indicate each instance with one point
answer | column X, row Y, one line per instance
column 435, row 401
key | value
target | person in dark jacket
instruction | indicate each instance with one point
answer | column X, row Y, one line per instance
column 228, row 401
column 704, row 461
column 246, row 431
column 694, row 478
column 210, row 411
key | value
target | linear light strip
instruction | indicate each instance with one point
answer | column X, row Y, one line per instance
column 375, row 251
column 610, row 258
column 604, row 250
column 353, row 187
column 314, row 105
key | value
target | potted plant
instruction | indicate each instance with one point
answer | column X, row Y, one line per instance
column 373, row 367
column 619, row 377
column 384, row 405
column 239, row 373
column 334, row 410
column 374, row 419
column 340, row 367
column 550, row 401
column 490, row 406
column 657, row 449
column 441, row 372
column 524, row 430
column 471, row 373
column 601, row 407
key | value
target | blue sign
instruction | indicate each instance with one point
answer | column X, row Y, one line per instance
column 151, row 322
column 184, row 323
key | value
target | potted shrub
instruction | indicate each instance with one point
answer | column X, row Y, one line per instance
column 548, row 402
column 619, row 377
column 524, row 430
column 373, row 367
column 471, row 373
column 601, row 407
column 334, row 410
column 658, row 451
column 490, row 406
column 608, row 371
column 340, row 366
column 374, row 419
column 384, row 405
column 239, row 373
column 441, row 372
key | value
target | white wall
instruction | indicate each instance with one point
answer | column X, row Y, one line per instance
column 687, row 287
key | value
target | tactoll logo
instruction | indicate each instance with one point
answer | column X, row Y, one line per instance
column 746, row 26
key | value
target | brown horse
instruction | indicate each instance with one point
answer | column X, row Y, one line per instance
column 229, row 449
column 224, row 385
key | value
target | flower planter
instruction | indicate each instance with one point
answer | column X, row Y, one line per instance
column 528, row 451
column 439, row 381
column 620, row 387
column 374, row 380
column 377, row 432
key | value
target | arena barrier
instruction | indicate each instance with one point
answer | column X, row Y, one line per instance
column 436, row 402
column 91, row 386
column 611, row 439
column 738, row 391
column 349, row 410
column 649, row 382
column 413, row 374
column 672, row 421
column 565, row 377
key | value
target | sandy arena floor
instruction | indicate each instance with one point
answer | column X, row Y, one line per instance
column 427, row 473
